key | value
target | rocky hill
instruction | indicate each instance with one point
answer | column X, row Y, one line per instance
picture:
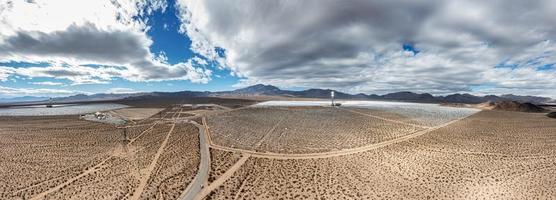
column 512, row 106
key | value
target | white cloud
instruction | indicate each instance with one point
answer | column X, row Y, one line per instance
column 80, row 33
column 10, row 91
column 49, row 83
column 121, row 90
column 5, row 73
column 77, row 74
column 356, row 45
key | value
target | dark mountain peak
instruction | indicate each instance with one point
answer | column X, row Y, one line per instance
column 314, row 90
column 462, row 98
column 530, row 99
column 513, row 106
column 259, row 89
column 411, row 96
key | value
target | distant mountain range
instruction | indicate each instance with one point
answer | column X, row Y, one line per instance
column 269, row 90
column 22, row 99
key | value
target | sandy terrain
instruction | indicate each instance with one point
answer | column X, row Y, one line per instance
column 490, row 155
column 220, row 162
column 282, row 153
column 37, row 154
column 177, row 165
column 63, row 157
column 136, row 113
column 308, row 130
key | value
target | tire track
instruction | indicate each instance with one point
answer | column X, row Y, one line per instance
column 71, row 180
column 149, row 170
column 334, row 153
column 222, row 178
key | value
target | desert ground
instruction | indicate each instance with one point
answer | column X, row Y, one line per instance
column 64, row 157
column 302, row 130
column 136, row 113
column 487, row 155
column 206, row 151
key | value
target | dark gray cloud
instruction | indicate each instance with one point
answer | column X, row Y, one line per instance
column 86, row 44
column 356, row 45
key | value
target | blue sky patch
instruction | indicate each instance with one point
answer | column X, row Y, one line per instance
column 410, row 47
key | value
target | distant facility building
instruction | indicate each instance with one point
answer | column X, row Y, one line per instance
column 49, row 104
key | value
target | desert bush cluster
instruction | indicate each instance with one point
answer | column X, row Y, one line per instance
column 116, row 179
column 63, row 157
column 294, row 130
column 490, row 155
column 220, row 162
column 177, row 165
column 137, row 113
column 148, row 144
column 423, row 113
column 37, row 154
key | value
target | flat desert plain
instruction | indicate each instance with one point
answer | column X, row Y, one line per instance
column 371, row 150
column 485, row 155
column 62, row 157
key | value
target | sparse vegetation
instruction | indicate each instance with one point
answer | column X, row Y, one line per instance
column 475, row 158
column 294, row 130
column 37, row 154
column 177, row 165
column 220, row 162
column 489, row 155
column 62, row 157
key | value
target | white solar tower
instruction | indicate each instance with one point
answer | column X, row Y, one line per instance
column 332, row 98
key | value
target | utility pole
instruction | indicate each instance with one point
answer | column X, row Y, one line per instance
column 126, row 139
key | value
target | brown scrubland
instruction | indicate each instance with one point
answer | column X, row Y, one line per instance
column 490, row 155
column 177, row 165
column 220, row 161
column 63, row 157
column 136, row 113
column 295, row 130
column 38, row 153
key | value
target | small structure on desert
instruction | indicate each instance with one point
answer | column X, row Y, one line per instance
column 100, row 115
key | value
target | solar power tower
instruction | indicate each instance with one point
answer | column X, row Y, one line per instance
column 332, row 98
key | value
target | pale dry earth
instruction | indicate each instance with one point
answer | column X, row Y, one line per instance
column 136, row 113
column 490, row 155
column 220, row 162
column 302, row 130
column 64, row 157
column 282, row 153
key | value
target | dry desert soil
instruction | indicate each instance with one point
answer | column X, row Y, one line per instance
column 489, row 155
column 279, row 153
column 63, row 157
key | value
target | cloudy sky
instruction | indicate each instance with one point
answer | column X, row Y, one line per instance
column 59, row 47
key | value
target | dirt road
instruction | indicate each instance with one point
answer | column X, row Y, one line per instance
column 332, row 153
column 218, row 182
column 201, row 178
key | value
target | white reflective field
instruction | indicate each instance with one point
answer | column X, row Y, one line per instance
column 67, row 109
column 427, row 114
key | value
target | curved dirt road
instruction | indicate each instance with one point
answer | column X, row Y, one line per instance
column 201, row 178
column 333, row 153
